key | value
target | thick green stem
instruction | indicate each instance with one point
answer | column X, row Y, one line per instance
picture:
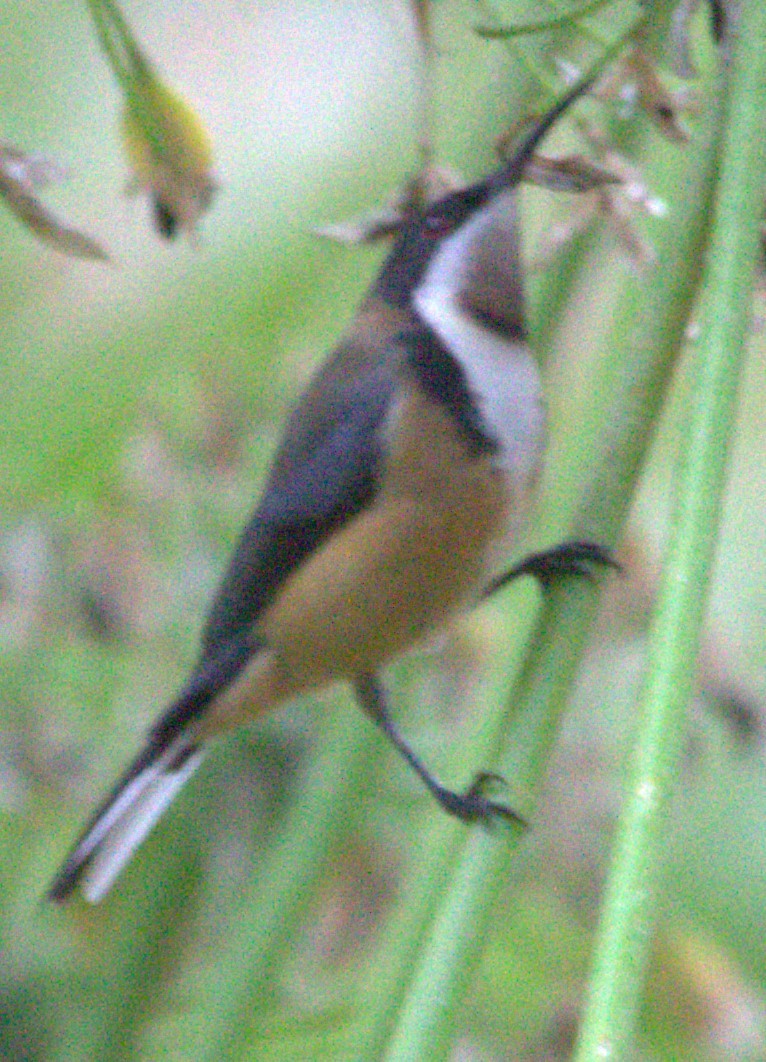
column 626, row 929
column 430, row 966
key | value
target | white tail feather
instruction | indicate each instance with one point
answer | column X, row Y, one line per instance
column 129, row 820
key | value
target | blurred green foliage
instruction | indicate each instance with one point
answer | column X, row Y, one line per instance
column 141, row 403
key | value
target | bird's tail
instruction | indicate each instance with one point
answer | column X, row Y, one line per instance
column 125, row 818
column 172, row 753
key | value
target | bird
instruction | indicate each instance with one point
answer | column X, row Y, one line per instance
column 402, row 479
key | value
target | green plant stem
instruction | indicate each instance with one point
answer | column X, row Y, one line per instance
column 273, row 904
column 118, row 43
column 456, row 884
column 626, row 928
column 609, row 50
column 549, row 22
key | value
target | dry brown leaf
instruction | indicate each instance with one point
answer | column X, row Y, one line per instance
column 21, row 177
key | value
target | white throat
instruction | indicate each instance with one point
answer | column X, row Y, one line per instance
column 501, row 373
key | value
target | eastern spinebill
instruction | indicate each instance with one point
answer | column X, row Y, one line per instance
column 401, row 481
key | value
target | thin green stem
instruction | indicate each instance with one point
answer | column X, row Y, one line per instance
column 609, row 50
column 118, row 43
column 626, row 928
column 273, row 904
column 539, row 25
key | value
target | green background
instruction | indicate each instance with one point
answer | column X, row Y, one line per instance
column 141, row 402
